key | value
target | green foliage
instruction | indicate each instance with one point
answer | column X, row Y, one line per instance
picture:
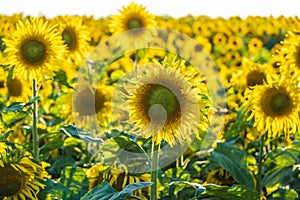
column 233, row 159
column 126, row 151
column 61, row 78
column 72, row 184
column 105, row 192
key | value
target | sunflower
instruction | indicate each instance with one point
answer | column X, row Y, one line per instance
column 117, row 176
column 35, row 48
column 219, row 39
column 76, row 36
column 254, row 45
column 274, row 106
column 163, row 101
column 220, row 177
column 92, row 104
column 132, row 18
column 290, row 51
column 20, row 179
column 235, row 43
column 249, row 75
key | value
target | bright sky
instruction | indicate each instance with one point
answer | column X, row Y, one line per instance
column 175, row 8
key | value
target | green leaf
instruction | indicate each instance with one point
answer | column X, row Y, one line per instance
column 236, row 192
column 239, row 125
column 283, row 194
column 55, row 190
column 233, row 159
column 279, row 164
column 105, row 192
column 76, row 180
column 73, row 131
column 61, row 78
column 128, row 190
column 185, row 189
column 15, row 107
column 127, row 151
column 31, row 101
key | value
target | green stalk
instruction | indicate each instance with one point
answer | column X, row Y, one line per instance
column 260, row 163
column 34, row 122
column 154, row 175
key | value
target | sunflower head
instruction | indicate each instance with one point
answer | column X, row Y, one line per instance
column 133, row 21
column 163, row 101
column 20, row 178
column 75, row 36
column 131, row 17
column 92, row 104
column 274, row 107
column 34, row 48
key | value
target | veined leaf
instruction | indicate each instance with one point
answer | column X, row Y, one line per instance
column 233, row 159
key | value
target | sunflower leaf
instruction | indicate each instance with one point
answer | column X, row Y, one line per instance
column 283, row 194
column 105, row 192
column 61, row 78
column 236, row 192
column 126, row 151
column 233, row 159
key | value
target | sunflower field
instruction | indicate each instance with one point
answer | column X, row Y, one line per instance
column 138, row 106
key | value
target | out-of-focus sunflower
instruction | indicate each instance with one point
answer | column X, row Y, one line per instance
column 117, row 176
column 163, row 102
column 254, row 45
column 220, row 39
column 220, row 177
column 235, row 43
column 35, row 49
column 7, row 23
column 76, row 36
column 92, row 105
column 20, row 179
column 274, row 106
column 17, row 90
column 249, row 75
column 96, row 174
column 291, row 50
column 132, row 18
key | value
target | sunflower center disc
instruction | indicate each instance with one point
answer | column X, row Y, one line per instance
column 280, row 103
column 14, row 87
column 33, row 51
column 10, row 182
column 134, row 23
column 163, row 96
column 255, row 78
column 69, row 39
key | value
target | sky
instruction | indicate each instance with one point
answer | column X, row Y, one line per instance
column 175, row 8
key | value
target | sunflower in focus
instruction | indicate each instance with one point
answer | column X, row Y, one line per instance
column 132, row 18
column 163, row 102
column 34, row 49
column 274, row 106
column 76, row 36
column 19, row 179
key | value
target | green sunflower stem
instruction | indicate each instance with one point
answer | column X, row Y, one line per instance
column 260, row 163
column 154, row 174
column 34, row 122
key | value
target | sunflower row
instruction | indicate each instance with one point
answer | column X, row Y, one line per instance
column 257, row 58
